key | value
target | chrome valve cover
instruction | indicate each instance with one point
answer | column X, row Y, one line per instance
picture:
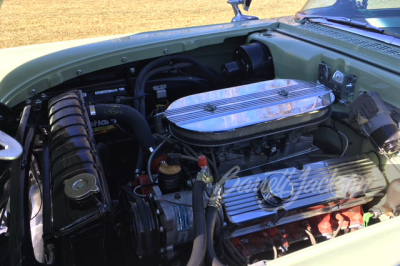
column 318, row 188
column 244, row 112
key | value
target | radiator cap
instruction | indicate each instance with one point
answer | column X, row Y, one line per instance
column 80, row 186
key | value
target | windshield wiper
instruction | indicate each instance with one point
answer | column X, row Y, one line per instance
column 343, row 21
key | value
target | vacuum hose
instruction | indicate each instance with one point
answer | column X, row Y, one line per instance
column 200, row 241
column 211, row 218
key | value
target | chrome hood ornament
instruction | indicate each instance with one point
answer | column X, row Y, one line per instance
column 238, row 14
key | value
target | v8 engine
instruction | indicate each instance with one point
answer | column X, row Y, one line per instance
column 175, row 164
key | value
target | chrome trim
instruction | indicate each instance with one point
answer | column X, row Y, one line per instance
column 11, row 148
column 247, row 105
column 275, row 193
column 238, row 14
column 336, row 184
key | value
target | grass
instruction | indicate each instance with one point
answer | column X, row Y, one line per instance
column 25, row 22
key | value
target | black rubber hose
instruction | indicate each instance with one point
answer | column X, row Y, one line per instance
column 231, row 252
column 165, row 61
column 200, row 241
column 141, row 84
column 133, row 118
column 211, row 219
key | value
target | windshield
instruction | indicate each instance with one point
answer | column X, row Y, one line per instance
column 384, row 14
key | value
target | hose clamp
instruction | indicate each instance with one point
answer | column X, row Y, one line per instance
column 204, row 178
column 214, row 201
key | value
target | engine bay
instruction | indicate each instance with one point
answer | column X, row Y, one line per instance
column 231, row 155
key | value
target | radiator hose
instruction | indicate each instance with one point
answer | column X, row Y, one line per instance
column 130, row 116
column 200, row 241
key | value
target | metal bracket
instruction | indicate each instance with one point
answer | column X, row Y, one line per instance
column 161, row 91
column 11, row 149
column 342, row 85
column 280, row 213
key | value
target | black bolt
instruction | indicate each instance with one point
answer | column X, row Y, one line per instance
column 177, row 196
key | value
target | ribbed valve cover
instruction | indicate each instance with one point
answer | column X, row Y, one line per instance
column 244, row 112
